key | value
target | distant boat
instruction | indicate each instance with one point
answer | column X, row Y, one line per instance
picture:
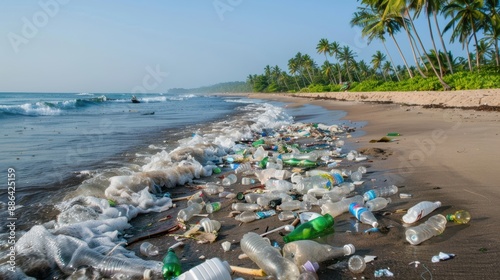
column 135, row 100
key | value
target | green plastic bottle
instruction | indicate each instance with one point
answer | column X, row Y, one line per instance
column 171, row 265
column 263, row 162
column 315, row 228
column 393, row 134
column 459, row 217
column 300, row 163
column 259, row 142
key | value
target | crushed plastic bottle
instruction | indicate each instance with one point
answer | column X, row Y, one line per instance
column 459, row 217
column 148, row 249
column 268, row 258
column 435, row 225
column 187, row 213
column 302, row 251
column 420, row 210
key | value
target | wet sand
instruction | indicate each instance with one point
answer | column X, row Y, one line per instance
column 450, row 155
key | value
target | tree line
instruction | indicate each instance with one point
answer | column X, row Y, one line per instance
column 469, row 22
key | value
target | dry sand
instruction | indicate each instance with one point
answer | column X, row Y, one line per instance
column 450, row 155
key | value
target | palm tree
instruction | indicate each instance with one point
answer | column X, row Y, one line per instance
column 293, row 67
column 364, row 70
column 347, row 57
column 324, row 47
column 467, row 19
column 493, row 28
column 335, row 51
column 326, row 70
column 386, row 69
column 309, row 66
column 377, row 60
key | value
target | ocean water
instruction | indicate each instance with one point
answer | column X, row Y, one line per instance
column 73, row 151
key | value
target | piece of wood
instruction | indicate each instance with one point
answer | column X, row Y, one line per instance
column 248, row 271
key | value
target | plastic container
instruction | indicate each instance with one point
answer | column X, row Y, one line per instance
column 343, row 189
column 148, row 249
column 210, row 225
column 197, row 197
column 420, row 210
column 318, row 227
column 187, row 213
column 312, row 156
column 171, row 265
column 356, row 264
column 268, row 258
column 269, row 201
column 363, row 215
column 248, row 216
column 247, row 166
column 435, row 225
column 212, row 269
column 295, row 205
column 252, row 197
column 286, row 215
column 247, row 181
column 337, row 208
column 302, row 251
column 382, row 191
column 278, row 185
column 211, row 189
column 245, row 206
column 333, row 196
column 213, row 207
column 356, row 176
column 313, row 182
column 308, row 275
column 377, row 204
column 229, row 180
column 459, row 217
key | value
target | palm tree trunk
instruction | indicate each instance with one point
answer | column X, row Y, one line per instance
column 496, row 53
column 441, row 71
column 443, row 83
column 475, row 41
column 468, row 54
column 390, row 58
column 402, row 56
column 348, row 72
column 412, row 47
column 450, row 65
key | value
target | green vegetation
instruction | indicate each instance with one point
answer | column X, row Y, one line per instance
column 471, row 22
column 228, row 87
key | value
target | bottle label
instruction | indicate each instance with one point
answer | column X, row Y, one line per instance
column 356, row 210
column 265, row 214
column 371, row 194
column 338, row 178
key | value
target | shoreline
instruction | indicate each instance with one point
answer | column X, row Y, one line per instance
column 443, row 154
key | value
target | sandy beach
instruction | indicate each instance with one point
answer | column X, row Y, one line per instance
column 448, row 155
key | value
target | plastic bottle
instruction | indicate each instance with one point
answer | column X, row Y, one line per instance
column 377, row 204
column 300, row 163
column 196, row 198
column 344, row 188
column 286, row 215
column 247, row 181
column 363, row 215
column 210, row 225
column 229, row 180
column 211, row 189
column 356, row 176
column 187, row 213
column 337, row 208
column 249, row 216
column 245, row 206
column 247, row 166
column 311, row 156
column 356, row 264
column 258, row 143
column 459, row 217
column 333, row 196
column 213, row 207
column 313, row 182
column 308, row 275
column 252, row 197
column 212, row 269
column 278, row 185
column 301, row 251
column 269, row 201
column 295, row 205
column 171, row 265
column 382, row 191
column 420, row 210
column 310, row 198
column 263, row 163
column 312, row 229
column 268, row 258
column 148, row 249
column 435, row 225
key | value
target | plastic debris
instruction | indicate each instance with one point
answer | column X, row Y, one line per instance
column 442, row 257
column 383, row 272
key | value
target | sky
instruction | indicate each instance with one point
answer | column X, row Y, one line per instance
column 152, row 46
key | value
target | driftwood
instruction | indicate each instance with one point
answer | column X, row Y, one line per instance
column 166, row 227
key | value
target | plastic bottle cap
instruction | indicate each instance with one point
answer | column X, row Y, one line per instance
column 438, row 203
column 349, row 249
column 147, row 274
column 375, row 224
column 289, row 227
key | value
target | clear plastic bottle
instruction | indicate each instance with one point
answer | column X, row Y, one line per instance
column 269, row 201
column 333, row 196
column 210, row 225
column 245, row 206
column 382, row 191
column 356, row 176
column 213, row 207
column 343, row 189
column 252, row 197
column 308, row 275
column 363, row 215
column 435, row 225
column 300, row 163
column 249, row 216
column 337, row 208
column 318, row 182
column 420, row 210
column 212, row 269
column 356, row 264
column 301, row 251
column 287, row 215
column 229, row 180
column 148, row 249
column 459, row 217
column 307, row 156
column 197, row 197
column 211, row 189
column 377, row 204
column 310, row 198
column 315, row 228
column 278, row 185
column 187, row 213
column 295, row 205
column 247, row 181
column 268, row 258
column 247, row 166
